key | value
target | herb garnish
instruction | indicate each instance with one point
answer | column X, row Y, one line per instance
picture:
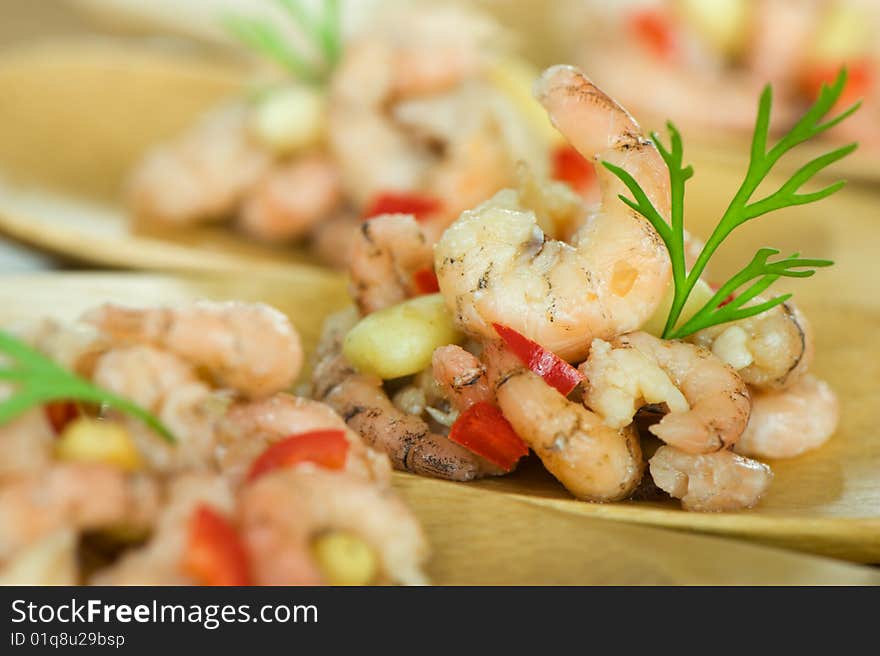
column 324, row 34
column 39, row 380
column 760, row 271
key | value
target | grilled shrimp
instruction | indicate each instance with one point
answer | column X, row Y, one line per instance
column 249, row 347
column 279, row 540
column 592, row 460
column 708, row 402
column 494, row 264
column 786, row 423
column 366, row 408
column 461, row 376
column 203, row 175
column 714, row 482
column 160, row 560
column 76, row 496
column 291, row 199
column 389, row 249
column 770, row 351
column 248, row 428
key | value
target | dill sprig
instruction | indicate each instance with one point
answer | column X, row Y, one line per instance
column 37, row 379
column 323, row 33
column 760, row 271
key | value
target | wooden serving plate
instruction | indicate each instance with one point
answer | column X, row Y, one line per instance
column 75, row 116
column 480, row 535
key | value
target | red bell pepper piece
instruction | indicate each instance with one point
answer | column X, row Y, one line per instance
column 484, row 430
column 571, row 167
column 859, row 83
column 653, row 29
column 426, row 281
column 419, row 205
column 327, row 448
column 214, row 553
column 60, row 413
column 727, row 300
column 555, row 371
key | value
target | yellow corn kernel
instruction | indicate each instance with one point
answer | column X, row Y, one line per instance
column 399, row 340
column 345, row 559
column 514, row 79
column 290, row 119
column 723, row 23
column 699, row 295
column 94, row 440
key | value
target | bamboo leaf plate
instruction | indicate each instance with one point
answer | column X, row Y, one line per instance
column 826, row 502
column 478, row 535
column 75, row 116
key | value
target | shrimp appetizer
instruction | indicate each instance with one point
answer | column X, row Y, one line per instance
column 585, row 332
column 160, row 446
column 427, row 113
column 705, row 61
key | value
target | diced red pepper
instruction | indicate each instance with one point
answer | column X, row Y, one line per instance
column 419, row 205
column 426, row 281
column 571, row 167
column 326, row 448
column 483, row 429
column 214, row 553
column 555, row 371
column 60, row 413
column 654, row 30
column 859, row 83
column 727, row 300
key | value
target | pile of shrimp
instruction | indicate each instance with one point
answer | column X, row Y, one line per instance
column 411, row 110
column 706, row 65
column 691, row 418
column 216, row 375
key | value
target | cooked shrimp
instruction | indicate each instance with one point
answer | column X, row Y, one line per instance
column 384, row 257
column 374, row 156
column 249, row 347
column 714, row 482
column 407, row 439
column 494, row 264
column 292, row 199
column 366, row 408
column 248, row 428
column 25, row 442
column 203, row 175
column 708, row 403
column 279, row 540
column 771, row 350
column 77, row 496
column 160, row 560
column 403, row 116
column 168, row 387
column 461, row 376
column 592, row 460
column 786, row 423
column 482, row 141
column 782, row 33
column 74, row 346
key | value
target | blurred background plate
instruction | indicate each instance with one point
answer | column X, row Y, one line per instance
column 76, row 115
column 477, row 536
